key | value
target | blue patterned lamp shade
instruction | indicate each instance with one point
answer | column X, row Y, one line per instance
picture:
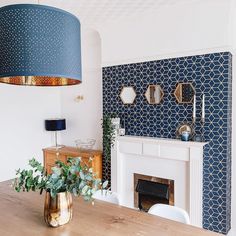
column 39, row 45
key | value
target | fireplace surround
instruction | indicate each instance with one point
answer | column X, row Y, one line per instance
column 169, row 159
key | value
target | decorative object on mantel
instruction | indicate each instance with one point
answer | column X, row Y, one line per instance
column 116, row 124
column 128, row 95
column 55, row 125
column 122, row 132
column 119, row 131
column 108, row 135
column 185, row 136
column 72, row 178
column 39, row 46
column 198, row 137
column 202, row 118
column 154, row 94
column 194, row 108
column 184, row 93
column 203, row 109
column 185, row 129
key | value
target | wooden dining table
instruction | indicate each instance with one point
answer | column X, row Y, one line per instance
column 21, row 214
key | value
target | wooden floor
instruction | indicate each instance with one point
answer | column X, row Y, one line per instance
column 22, row 214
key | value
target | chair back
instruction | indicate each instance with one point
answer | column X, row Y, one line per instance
column 107, row 196
column 170, row 212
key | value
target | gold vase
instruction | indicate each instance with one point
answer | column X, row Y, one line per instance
column 58, row 210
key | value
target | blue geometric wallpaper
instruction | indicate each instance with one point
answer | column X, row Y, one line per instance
column 210, row 74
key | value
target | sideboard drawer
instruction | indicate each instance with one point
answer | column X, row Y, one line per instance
column 52, row 158
column 51, row 155
column 49, row 168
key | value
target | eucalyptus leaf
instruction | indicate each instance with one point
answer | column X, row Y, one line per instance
column 82, row 175
column 85, row 189
column 104, row 185
column 56, row 170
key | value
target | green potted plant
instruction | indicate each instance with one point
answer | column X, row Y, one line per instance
column 108, row 135
column 73, row 178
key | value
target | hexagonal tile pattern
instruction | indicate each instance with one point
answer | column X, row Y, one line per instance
column 210, row 74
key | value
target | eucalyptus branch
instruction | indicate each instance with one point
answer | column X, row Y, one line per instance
column 74, row 177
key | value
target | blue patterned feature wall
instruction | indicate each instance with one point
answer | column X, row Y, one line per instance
column 210, row 74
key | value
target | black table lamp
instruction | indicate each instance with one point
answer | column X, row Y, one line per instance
column 55, row 125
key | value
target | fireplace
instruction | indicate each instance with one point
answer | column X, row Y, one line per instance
column 174, row 160
column 150, row 190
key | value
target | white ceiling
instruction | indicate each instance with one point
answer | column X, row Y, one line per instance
column 97, row 13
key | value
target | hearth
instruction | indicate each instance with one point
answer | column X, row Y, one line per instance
column 150, row 190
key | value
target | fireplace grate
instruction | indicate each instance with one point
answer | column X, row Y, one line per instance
column 154, row 189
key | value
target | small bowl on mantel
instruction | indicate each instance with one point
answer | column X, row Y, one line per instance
column 85, row 144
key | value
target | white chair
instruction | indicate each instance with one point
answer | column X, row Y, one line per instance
column 107, row 196
column 170, row 212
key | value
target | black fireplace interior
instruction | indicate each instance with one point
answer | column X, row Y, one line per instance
column 150, row 193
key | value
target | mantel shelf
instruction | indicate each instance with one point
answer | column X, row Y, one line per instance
column 176, row 142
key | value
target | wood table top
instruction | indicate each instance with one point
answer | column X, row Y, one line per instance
column 21, row 214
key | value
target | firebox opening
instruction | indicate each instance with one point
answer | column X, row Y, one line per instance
column 152, row 190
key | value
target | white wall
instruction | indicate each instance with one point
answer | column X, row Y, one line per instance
column 22, row 114
column 84, row 117
column 24, row 109
column 180, row 30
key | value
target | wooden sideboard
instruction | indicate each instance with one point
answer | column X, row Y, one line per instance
column 63, row 153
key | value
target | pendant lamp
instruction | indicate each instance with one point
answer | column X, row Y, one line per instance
column 39, row 46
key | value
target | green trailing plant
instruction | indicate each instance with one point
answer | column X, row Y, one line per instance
column 108, row 135
column 74, row 177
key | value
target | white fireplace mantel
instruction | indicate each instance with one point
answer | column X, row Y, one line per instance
column 165, row 158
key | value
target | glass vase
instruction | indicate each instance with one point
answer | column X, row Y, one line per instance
column 58, row 210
